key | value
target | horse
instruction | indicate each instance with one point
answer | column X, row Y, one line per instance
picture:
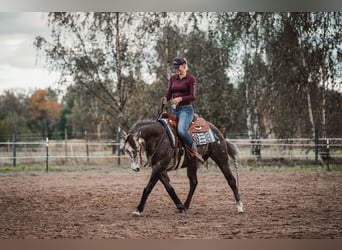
column 150, row 136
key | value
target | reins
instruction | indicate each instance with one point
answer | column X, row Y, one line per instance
column 160, row 109
column 159, row 112
column 151, row 157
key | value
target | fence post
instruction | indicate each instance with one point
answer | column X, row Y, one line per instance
column 47, row 155
column 87, row 146
column 328, row 155
column 14, row 149
column 66, row 143
column 316, row 146
column 118, row 146
column 256, row 147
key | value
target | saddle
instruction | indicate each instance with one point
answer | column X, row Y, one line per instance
column 198, row 129
column 197, row 125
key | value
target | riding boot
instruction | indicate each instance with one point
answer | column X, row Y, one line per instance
column 194, row 153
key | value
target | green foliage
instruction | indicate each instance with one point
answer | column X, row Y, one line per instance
column 14, row 115
column 290, row 66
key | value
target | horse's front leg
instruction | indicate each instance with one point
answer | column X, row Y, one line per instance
column 164, row 178
column 147, row 190
column 192, row 175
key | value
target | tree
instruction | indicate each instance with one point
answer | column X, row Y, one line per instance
column 13, row 114
column 209, row 64
column 303, row 62
column 247, row 32
column 285, row 85
column 282, row 60
column 320, row 40
column 46, row 110
column 288, row 57
column 208, row 59
column 101, row 55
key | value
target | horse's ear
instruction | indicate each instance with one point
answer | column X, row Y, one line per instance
column 123, row 134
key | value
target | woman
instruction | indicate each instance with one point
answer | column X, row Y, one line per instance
column 182, row 92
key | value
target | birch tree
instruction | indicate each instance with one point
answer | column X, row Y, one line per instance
column 99, row 55
column 248, row 27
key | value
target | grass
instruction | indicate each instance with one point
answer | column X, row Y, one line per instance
column 245, row 166
column 294, row 169
column 21, row 169
column 36, row 169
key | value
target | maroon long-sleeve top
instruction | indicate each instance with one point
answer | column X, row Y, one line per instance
column 185, row 88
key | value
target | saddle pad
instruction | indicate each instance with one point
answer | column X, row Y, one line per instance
column 168, row 129
column 201, row 132
column 201, row 138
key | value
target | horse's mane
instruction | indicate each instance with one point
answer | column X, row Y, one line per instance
column 141, row 123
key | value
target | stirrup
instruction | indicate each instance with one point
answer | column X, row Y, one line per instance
column 194, row 154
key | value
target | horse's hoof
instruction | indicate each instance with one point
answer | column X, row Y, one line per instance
column 136, row 212
column 181, row 211
column 240, row 207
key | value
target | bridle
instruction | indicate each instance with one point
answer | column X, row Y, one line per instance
column 136, row 149
column 141, row 148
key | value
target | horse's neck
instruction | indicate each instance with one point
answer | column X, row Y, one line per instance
column 152, row 135
column 151, row 131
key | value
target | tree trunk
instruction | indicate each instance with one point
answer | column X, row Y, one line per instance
column 312, row 121
column 252, row 118
column 118, row 60
column 324, row 131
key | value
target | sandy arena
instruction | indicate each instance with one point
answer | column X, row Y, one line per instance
column 92, row 205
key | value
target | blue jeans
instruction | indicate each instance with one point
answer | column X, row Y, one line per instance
column 184, row 116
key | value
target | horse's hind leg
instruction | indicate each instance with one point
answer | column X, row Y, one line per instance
column 192, row 175
column 164, row 178
column 232, row 183
column 222, row 162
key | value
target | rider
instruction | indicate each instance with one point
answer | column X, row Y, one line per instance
column 182, row 92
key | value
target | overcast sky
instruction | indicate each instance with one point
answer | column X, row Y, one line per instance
column 19, row 68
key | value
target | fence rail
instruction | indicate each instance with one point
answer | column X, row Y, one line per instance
column 78, row 151
column 290, row 148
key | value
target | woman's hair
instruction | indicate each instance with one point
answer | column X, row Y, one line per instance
column 186, row 63
column 179, row 61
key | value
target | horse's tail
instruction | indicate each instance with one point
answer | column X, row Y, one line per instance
column 232, row 149
column 233, row 152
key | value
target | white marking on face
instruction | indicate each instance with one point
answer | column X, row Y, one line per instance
column 134, row 153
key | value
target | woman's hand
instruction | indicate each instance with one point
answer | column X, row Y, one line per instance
column 176, row 100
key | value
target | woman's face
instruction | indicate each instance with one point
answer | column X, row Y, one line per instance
column 181, row 69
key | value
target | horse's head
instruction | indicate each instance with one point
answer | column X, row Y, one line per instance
column 133, row 147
